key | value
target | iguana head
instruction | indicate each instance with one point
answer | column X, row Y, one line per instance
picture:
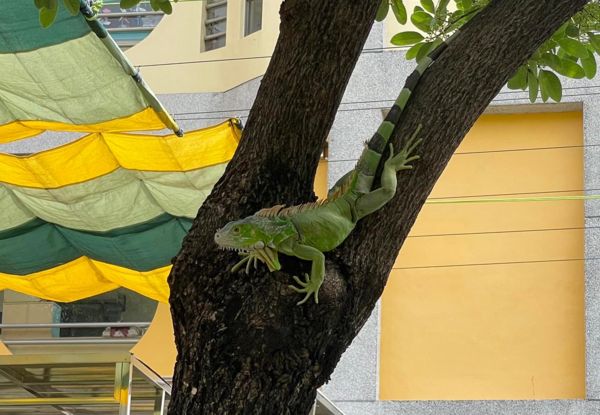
column 254, row 237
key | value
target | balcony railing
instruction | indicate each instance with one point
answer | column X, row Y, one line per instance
column 118, row 317
column 129, row 26
column 112, row 333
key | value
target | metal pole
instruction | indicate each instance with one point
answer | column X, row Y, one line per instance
column 123, row 380
column 116, row 52
column 159, row 403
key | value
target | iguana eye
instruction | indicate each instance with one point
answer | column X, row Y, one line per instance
column 236, row 230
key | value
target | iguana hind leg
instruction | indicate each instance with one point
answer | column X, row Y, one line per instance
column 374, row 200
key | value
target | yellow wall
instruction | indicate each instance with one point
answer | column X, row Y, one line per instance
column 505, row 331
column 179, row 38
column 157, row 347
column 4, row 350
column 321, row 180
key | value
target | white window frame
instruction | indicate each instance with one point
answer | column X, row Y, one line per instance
column 247, row 9
column 207, row 22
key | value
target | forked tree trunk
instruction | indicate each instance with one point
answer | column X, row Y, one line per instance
column 244, row 346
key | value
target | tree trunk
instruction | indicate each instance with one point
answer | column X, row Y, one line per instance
column 244, row 346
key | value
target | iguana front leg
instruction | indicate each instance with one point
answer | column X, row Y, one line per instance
column 312, row 283
column 372, row 201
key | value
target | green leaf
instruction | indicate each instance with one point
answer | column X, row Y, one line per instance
column 548, row 46
column 427, row 47
column 382, row 12
column 519, row 79
column 594, row 41
column 572, row 30
column 413, row 51
column 464, row 4
column 166, row 7
column 72, row 6
column 543, row 92
column 570, row 69
column 551, row 60
column 428, row 5
column 550, row 85
column 589, row 66
column 406, row 38
column 423, row 51
column 128, row 4
column 573, row 47
column 430, row 48
column 41, row 3
column 460, row 18
column 443, row 5
column 422, row 20
column 399, row 11
column 533, row 84
column 48, row 14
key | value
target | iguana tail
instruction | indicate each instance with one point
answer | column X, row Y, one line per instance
column 364, row 173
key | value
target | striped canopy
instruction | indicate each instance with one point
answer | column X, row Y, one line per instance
column 105, row 211
column 67, row 77
column 109, row 209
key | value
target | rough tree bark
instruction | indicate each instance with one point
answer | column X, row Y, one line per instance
column 244, row 346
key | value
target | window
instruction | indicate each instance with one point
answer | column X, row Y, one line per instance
column 253, row 19
column 215, row 24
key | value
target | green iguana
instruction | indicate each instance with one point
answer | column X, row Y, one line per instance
column 308, row 230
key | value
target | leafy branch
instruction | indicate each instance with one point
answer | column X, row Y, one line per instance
column 570, row 52
column 49, row 8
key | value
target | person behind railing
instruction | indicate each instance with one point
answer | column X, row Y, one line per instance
column 104, row 19
column 139, row 9
column 135, row 18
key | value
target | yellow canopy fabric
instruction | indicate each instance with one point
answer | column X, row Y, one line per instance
column 84, row 277
column 16, row 130
column 105, row 211
column 98, row 154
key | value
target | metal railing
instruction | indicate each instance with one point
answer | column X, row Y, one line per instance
column 95, row 384
column 73, row 325
column 127, row 27
column 116, row 339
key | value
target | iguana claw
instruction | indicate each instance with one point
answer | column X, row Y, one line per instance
column 239, row 264
column 308, row 287
column 400, row 161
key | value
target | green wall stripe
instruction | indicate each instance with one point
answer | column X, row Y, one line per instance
column 20, row 28
column 38, row 245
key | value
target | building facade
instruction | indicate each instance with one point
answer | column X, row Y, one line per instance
column 492, row 306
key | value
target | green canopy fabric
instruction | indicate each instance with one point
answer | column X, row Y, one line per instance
column 65, row 77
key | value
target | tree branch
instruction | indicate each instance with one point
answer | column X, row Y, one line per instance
column 450, row 97
column 244, row 346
